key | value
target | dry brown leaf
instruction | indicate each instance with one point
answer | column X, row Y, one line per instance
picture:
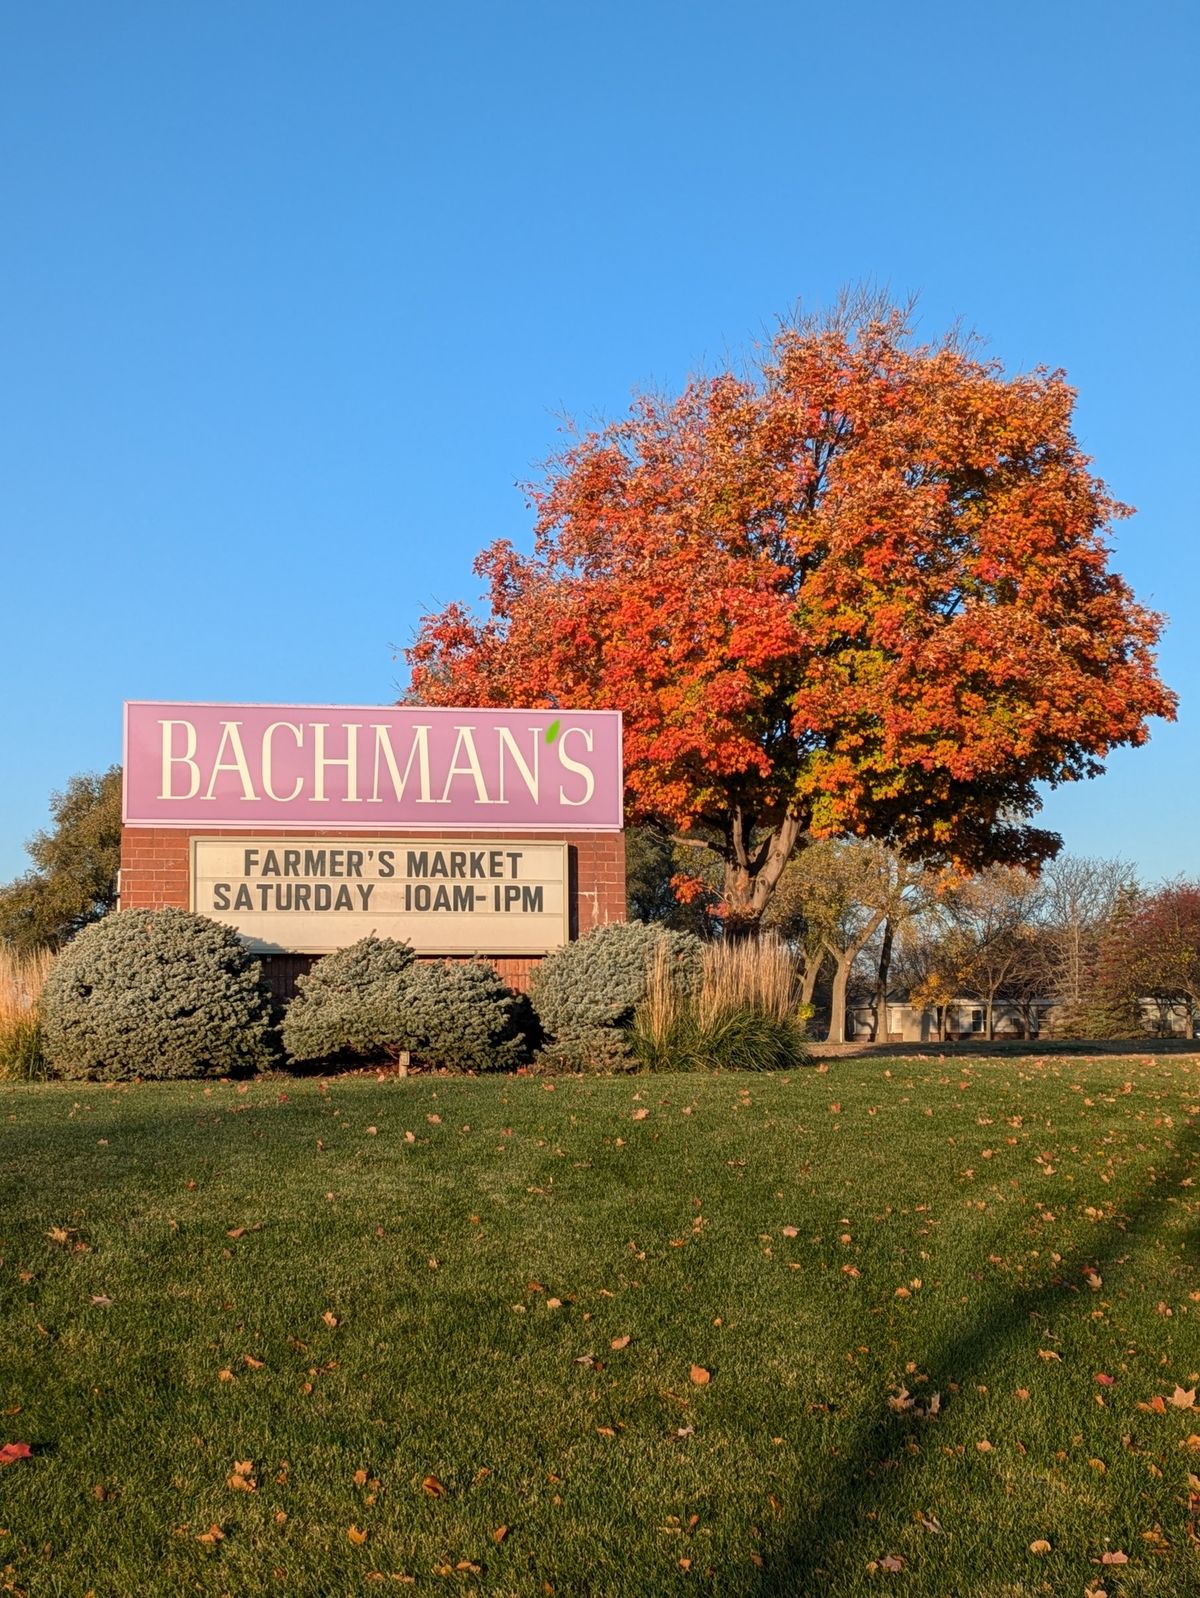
column 226, row 1376
column 605, row 1431
column 892, row 1562
column 355, row 1535
column 434, row 1487
column 254, row 1364
column 640, row 1115
column 329, row 1318
column 1039, row 1546
column 621, row 1342
column 1114, row 1556
column 700, row 1375
column 791, row 1231
column 1183, row 1398
column 214, row 1534
column 500, row 1533
column 360, row 1478
column 1048, row 1353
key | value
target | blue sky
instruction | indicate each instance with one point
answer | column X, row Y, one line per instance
column 293, row 295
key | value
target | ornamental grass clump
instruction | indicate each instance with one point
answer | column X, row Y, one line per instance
column 743, row 1014
column 353, row 1002
column 22, row 978
column 586, row 993
column 156, row 994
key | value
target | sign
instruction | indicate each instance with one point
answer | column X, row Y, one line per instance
column 312, row 895
column 364, row 768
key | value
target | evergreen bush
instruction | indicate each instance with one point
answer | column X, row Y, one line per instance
column 464, row 1018
column 586, row 992
column 156, row 994
column 355, row 1001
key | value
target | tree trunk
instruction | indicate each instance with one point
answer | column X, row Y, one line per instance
column 752, row 871
column 991, row 1020
column 880, row 1032
column 837, row 1002
column 808, row 980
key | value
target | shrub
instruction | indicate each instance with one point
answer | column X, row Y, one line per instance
column 743, row 1014
column 586, row 993
column 22, row 977
column 355, row 1001
column 156, row 993
column 464, row 1018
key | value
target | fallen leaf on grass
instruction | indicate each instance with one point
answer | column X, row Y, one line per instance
column 360, row 1478
column 101, row 1301
column 1039, row 1546
column 11, row 1452
column 355, row 1535
column 329, row 1318
column 242, row 1480
column 434, row 1487
column 790, row 1231
column 892, row 1562
column 226, row 1376
column 252, row 1363
column 700, row 1376
column 240, row 1231
column 621, row 1342
column 1183, row 1399
column 213, row 1535
column 640, row 1115
column 1048, row 1353
column 1114, row 1556
column 1105, row 1379
column 500, row 1533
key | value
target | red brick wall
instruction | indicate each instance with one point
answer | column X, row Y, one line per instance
column 155, row 863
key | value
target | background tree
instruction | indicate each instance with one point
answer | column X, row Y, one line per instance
column 989, row 943
column 862, row 590
column 1164, row 945
column 655, row 862
column 75, row 864
column 834, row 898
column 1079, row 897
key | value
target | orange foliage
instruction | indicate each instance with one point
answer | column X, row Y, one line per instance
column 864, row 591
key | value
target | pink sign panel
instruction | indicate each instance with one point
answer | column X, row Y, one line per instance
column 371, row 766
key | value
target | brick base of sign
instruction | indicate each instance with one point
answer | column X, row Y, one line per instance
column 155, row 862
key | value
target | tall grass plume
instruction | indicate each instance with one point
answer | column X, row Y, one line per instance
column 743, row 1013
column 22, row 977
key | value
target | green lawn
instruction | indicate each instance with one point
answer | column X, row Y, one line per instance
column 431, row 1276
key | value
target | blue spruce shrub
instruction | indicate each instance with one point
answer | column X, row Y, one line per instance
column 156, row 994
column 586, row 992
column 355, row 1001
column 464, row 1018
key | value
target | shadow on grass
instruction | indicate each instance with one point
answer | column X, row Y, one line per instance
column 876, row 1468
column 1007, row 1049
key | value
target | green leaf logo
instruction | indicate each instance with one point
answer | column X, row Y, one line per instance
column 552, row 732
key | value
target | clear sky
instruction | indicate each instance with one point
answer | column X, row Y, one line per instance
column 292, row 295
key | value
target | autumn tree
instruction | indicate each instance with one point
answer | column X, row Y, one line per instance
column 861, row 590
column 74, row 876
column 1164, row 948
